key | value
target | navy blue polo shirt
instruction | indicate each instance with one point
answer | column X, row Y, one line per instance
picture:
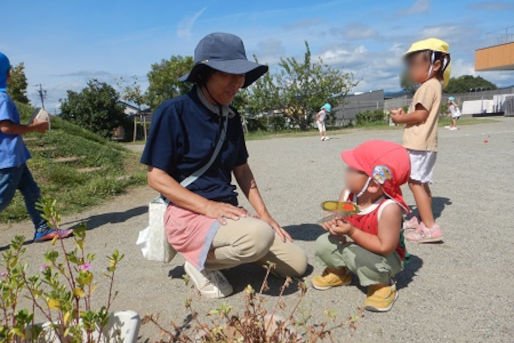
column 182, row 138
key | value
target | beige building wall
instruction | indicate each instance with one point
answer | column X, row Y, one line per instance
column 498, row 57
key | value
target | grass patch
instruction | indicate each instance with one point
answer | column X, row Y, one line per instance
column 118, row 168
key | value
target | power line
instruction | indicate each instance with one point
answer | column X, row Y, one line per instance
column 42, row 95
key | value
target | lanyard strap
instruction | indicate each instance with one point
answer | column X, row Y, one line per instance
column 196, row 175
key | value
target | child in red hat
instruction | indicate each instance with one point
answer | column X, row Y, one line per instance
column 375, row 251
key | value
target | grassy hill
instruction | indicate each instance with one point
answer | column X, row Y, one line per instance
column 75, row 166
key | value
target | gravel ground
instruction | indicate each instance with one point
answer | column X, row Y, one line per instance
column 458, row 291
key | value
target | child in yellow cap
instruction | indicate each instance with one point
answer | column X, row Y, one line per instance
column 428, row 63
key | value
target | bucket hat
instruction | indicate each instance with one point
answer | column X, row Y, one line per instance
column 5, row 65
column 327, row 107
column 434, row 45
column 224, row 52
column 385, row 162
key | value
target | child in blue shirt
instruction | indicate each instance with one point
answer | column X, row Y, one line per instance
column 14, row 173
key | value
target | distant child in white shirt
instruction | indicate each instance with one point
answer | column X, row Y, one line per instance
column 320, row 121
column 454, row 113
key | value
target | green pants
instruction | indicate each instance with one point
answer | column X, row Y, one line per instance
column 371, row 268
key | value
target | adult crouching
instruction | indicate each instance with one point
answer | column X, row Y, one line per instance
column 203, row 220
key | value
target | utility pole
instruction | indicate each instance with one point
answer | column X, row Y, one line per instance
column 42, row 95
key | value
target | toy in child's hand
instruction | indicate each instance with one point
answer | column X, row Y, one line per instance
column 39, row 115
column 340, row 210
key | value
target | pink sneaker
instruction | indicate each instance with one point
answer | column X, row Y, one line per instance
column 425, row 235
column 411, row 224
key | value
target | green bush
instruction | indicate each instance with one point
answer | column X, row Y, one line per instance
column 277, row 123
column 62, row 293
column 257, row 124
column 444, row 109
column 367, row 117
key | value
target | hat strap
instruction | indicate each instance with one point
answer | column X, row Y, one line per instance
column 363, row 190
column 432, row 60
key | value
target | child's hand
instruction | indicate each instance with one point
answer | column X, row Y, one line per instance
column 39, row 126
column 338, row 227
column 396, row 114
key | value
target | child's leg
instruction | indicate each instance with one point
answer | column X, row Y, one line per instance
column 9, row 180
column 423, row 198
column 320, row 129
column 376, row 272
column 31, row 194
column 371, row 268
column 329, row 252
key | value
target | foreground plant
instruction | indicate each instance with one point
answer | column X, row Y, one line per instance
column 256, row 323
column 61, row 293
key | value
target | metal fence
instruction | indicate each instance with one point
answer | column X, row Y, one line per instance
column 345, row 113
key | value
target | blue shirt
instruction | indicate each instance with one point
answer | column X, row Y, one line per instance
column 182, row 137
column 13, row 152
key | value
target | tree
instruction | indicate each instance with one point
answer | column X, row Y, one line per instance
column 263, row 94
column 18, row 84
column 163, row 79
column 240, row 102
column 303, row 87
column 406, row 83
column 95, row 108
column 132, row 92
column 465, row 83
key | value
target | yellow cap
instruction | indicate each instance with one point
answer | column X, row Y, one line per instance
column 433, row 44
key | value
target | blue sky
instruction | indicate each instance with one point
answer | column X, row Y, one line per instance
column 65, row 43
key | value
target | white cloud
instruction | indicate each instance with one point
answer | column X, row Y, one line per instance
column 303, row 24
column 356, row 31
column 269, row 51
column 418, row 7
column 372, row 68
column 458, row 34
column 185, row 26
column 492, row 6
column 344, row 55
column 57, row 85
column 460, row 67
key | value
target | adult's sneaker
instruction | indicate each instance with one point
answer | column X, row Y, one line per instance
column 49, row 234
column 210, row 283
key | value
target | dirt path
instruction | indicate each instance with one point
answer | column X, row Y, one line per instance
column 459, row 291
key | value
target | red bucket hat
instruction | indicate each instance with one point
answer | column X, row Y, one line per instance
column 385, row 162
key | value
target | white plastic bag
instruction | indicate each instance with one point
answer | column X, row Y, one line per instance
column 152, row 240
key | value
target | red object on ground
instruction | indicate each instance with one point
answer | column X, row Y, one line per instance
column 486, row 141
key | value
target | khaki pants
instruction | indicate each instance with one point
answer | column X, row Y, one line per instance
column 250, row 240
column 371, row 268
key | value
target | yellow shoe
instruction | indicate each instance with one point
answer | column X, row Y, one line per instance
column 380, row 298
column 331, row 277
